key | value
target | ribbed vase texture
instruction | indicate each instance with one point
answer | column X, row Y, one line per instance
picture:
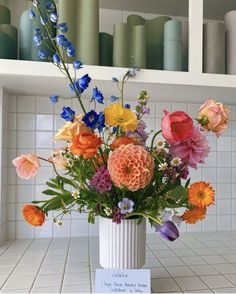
column 122, row 246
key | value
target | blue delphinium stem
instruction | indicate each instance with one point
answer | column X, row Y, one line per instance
column 63, row 63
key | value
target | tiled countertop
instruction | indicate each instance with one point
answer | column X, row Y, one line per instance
column 196, row 262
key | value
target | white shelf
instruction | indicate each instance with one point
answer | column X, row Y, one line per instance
column 39, row 78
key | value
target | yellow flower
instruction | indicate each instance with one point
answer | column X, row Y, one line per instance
column 71, row 129
column 116, row 115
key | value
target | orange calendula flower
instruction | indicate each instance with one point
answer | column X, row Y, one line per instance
column 85, row 144
column 201, row 194
column 124, row 140
column 33, row 215
column 194, row 215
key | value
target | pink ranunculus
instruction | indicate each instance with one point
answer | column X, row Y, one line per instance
column 176, row 126
column 26, row 166
column 193, row 150
column 213, row 116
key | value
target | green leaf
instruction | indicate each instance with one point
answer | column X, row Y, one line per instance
column 179, row 192
column 51, row 193
column 187, row 183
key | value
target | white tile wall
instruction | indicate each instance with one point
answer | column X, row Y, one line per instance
column 32, row 121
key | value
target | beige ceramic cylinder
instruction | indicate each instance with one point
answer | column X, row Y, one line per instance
column 122, row 246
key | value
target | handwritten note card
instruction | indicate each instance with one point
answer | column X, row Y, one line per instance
column 122, row 281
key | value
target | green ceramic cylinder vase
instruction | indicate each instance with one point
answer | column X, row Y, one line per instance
column 173, row 45
column 5, row 15
column 11, row 46
column 137, row 50
column 105, row 49
column 25, row 36
column 121, row 45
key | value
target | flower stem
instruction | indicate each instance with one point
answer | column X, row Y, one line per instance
column 156, row 220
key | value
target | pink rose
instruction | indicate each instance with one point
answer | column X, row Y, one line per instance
column 26, row 166
column 176, row 126
column 213, row 116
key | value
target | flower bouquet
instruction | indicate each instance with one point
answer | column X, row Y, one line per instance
column 106, row 167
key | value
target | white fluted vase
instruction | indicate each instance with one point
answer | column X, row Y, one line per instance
column 122, row 246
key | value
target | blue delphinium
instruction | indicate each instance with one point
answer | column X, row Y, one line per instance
column 115, row 80
column 60, row 39
column 54, row 98
column 94, row 120
column 97, row 96
column 56, row 58
column 70, row 51
column 126, row 206
column 77, row 64
column 84, row 82
column 38, row 40
column 90, row 119
column 32, row 15
column 68, row 114
column 63, row 27
column 53, row 17
column 127, row 106
column 113, row 98
column 42, row 54
column 50, row 6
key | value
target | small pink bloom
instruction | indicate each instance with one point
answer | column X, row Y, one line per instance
column 59, row 161
column 193, row 150
column 213, row 116
column 176, row 126
column 26, row 166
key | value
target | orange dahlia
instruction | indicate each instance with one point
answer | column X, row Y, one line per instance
column 33, row 215
column 131, row 166
column 201, row 194
column 194, row 215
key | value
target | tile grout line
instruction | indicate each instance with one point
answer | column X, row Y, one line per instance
column 90, row 269
column 24, row 252
column 65, row 265
column 32, row 285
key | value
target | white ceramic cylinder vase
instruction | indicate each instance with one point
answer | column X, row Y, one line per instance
column 122, row 246
column 230, row 25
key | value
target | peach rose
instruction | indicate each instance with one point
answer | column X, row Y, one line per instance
column 124, row 140
column 59, row 161
column 85, row 144
column 33, row 215
column 26, row 166
column 213, row 116
column 71, row 129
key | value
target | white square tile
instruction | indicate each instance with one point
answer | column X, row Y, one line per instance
column 224, row 175
column 224, row 143
column 26, row 290
column 44, row 122
column 25, row 122
column 214, row 259
column 19, row 282
column 227, row 268
column 190, row 283
column 26, row 103
column 164, row 285
column 48, row 280
column 172, row 261
column 193, row 260
column 44, row 105
column 217, row 281
column 224, row 223
column 203, row 270
column 26, row 270
column 225, row 290
column 76, row 278
column 79, row 228
column 160, row 107
column 84, row 288
column 25, row 139
column 180, row 271
column 49, row 269
column 224, row 159
column 224, row 191
column 24, row 193
column 76, row 267
column 44, row 140
column 159, row 272
column 46, row 290
column 224, row 206
column 62, row 231
column 24, row 230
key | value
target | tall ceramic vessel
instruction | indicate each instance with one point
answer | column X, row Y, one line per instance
column 230, row 25
column 173, row 45
column 154, row 38
column 5, row 15
column 137, row 48
column 11, row 44
column 122, row 246
column 105, row 49
column 28, row 50
column 121, row 45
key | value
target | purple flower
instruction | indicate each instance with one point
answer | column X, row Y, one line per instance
column 126, row 206
column 168, row 230
column 146, row 110
column 101, row 180
column 140, row 133
column 117, row 217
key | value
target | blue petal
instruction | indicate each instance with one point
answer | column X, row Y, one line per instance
column 68, row 114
